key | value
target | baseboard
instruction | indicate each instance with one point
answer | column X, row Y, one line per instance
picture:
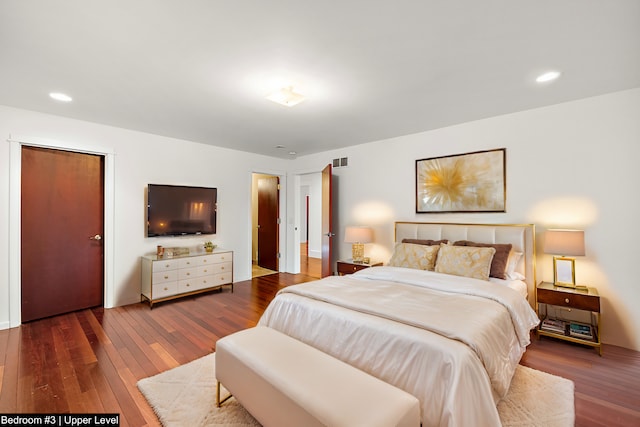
column 5, row 325
column 315, row 254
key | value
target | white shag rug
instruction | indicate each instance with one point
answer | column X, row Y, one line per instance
column 185, row 396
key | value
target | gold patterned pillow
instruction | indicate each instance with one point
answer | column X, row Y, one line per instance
column 410, row 255
column 467, row 261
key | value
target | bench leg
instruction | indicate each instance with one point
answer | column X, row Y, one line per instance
column 218, row 401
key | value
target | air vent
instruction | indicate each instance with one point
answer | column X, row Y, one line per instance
column 341, row 162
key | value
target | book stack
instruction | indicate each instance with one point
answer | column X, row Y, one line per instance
column 553, row 325
column 578, row 330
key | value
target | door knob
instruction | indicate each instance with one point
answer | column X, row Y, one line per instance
column 96, row 237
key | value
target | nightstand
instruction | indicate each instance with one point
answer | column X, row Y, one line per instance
column 348, row 266
column 562, row 327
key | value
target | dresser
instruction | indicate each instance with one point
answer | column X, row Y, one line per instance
column 168, row 278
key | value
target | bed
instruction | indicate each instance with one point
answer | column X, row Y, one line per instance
column 451, row 340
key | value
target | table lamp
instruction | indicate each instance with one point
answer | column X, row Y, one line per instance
column 564, row 244
column 358, row 236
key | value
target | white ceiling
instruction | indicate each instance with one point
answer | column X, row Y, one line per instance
column 199, row 69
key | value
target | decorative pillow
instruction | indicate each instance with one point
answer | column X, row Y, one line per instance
column 512, row 264
column 427, row 242
column 410, row 255
column 499, row 263
column 467, row 261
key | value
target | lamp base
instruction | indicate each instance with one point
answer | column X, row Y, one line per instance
column 357, row 252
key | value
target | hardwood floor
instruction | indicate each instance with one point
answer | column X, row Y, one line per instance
column 90, row 361
column 308, row 265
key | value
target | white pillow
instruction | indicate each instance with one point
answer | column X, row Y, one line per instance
column 512, row 264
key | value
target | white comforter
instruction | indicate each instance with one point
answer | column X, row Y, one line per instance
column 452, row 342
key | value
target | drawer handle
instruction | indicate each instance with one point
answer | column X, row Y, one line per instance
column 204, row 281
column 205, row 271
column 167, row 265
column 188, row 274
column 166, row 277
column 204, row 260
column 166, row 289
column 566, row 300
column 188, row 262
column 222, row 268
column 188, row 285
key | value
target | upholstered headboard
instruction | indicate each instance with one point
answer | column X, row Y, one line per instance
column 521, row 236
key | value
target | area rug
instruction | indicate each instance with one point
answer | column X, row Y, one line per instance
column 185, row 396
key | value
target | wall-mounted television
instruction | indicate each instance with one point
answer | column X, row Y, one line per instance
column 175, row 210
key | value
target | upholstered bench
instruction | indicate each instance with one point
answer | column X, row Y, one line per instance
column 284, row 382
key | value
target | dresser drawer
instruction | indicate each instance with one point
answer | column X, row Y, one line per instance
column 222, row 267
column 221, row 257
column 165, row 276
column 189, row 262
column 187, row 273
column 165, row 289
column 568, row 299
column 165, row 265
column 207, row 270
column 190, row 285
column 222, row 278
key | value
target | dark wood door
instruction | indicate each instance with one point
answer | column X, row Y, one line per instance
column 327, row 222
column 61, row 235
column 268, row 209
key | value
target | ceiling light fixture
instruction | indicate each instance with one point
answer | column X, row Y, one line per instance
column 547, row 77
column 60, row 97
column 286, row 96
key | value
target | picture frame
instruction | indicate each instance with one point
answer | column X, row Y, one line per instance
column 469, row 182
column 564, row 272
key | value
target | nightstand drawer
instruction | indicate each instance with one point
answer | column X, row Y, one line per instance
column 350, row 268
column 569, row 299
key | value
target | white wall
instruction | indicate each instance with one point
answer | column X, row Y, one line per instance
column 568, row 165
column 572, row 165
column 141, row 159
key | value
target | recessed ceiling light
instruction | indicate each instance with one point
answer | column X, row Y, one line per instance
column 548, row 76
column 280, row 147
column 60, row 97
column 292, row 153
column 286, row 96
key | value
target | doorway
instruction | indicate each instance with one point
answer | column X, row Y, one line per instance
column 265, row 252
column 15, row 212
column 314, row 215
column 62, row 228
column 310, row 216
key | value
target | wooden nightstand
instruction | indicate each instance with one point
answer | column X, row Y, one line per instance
column 347, row 266
column 569, row 299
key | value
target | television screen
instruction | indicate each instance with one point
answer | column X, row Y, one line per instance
column 174, row 210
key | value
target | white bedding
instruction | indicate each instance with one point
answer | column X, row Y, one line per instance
column 517, row 285
column 452, row 342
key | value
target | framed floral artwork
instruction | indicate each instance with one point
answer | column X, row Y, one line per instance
column 470, row 182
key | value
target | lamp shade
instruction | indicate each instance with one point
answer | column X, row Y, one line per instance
column 358, row 235
column 564, row 242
